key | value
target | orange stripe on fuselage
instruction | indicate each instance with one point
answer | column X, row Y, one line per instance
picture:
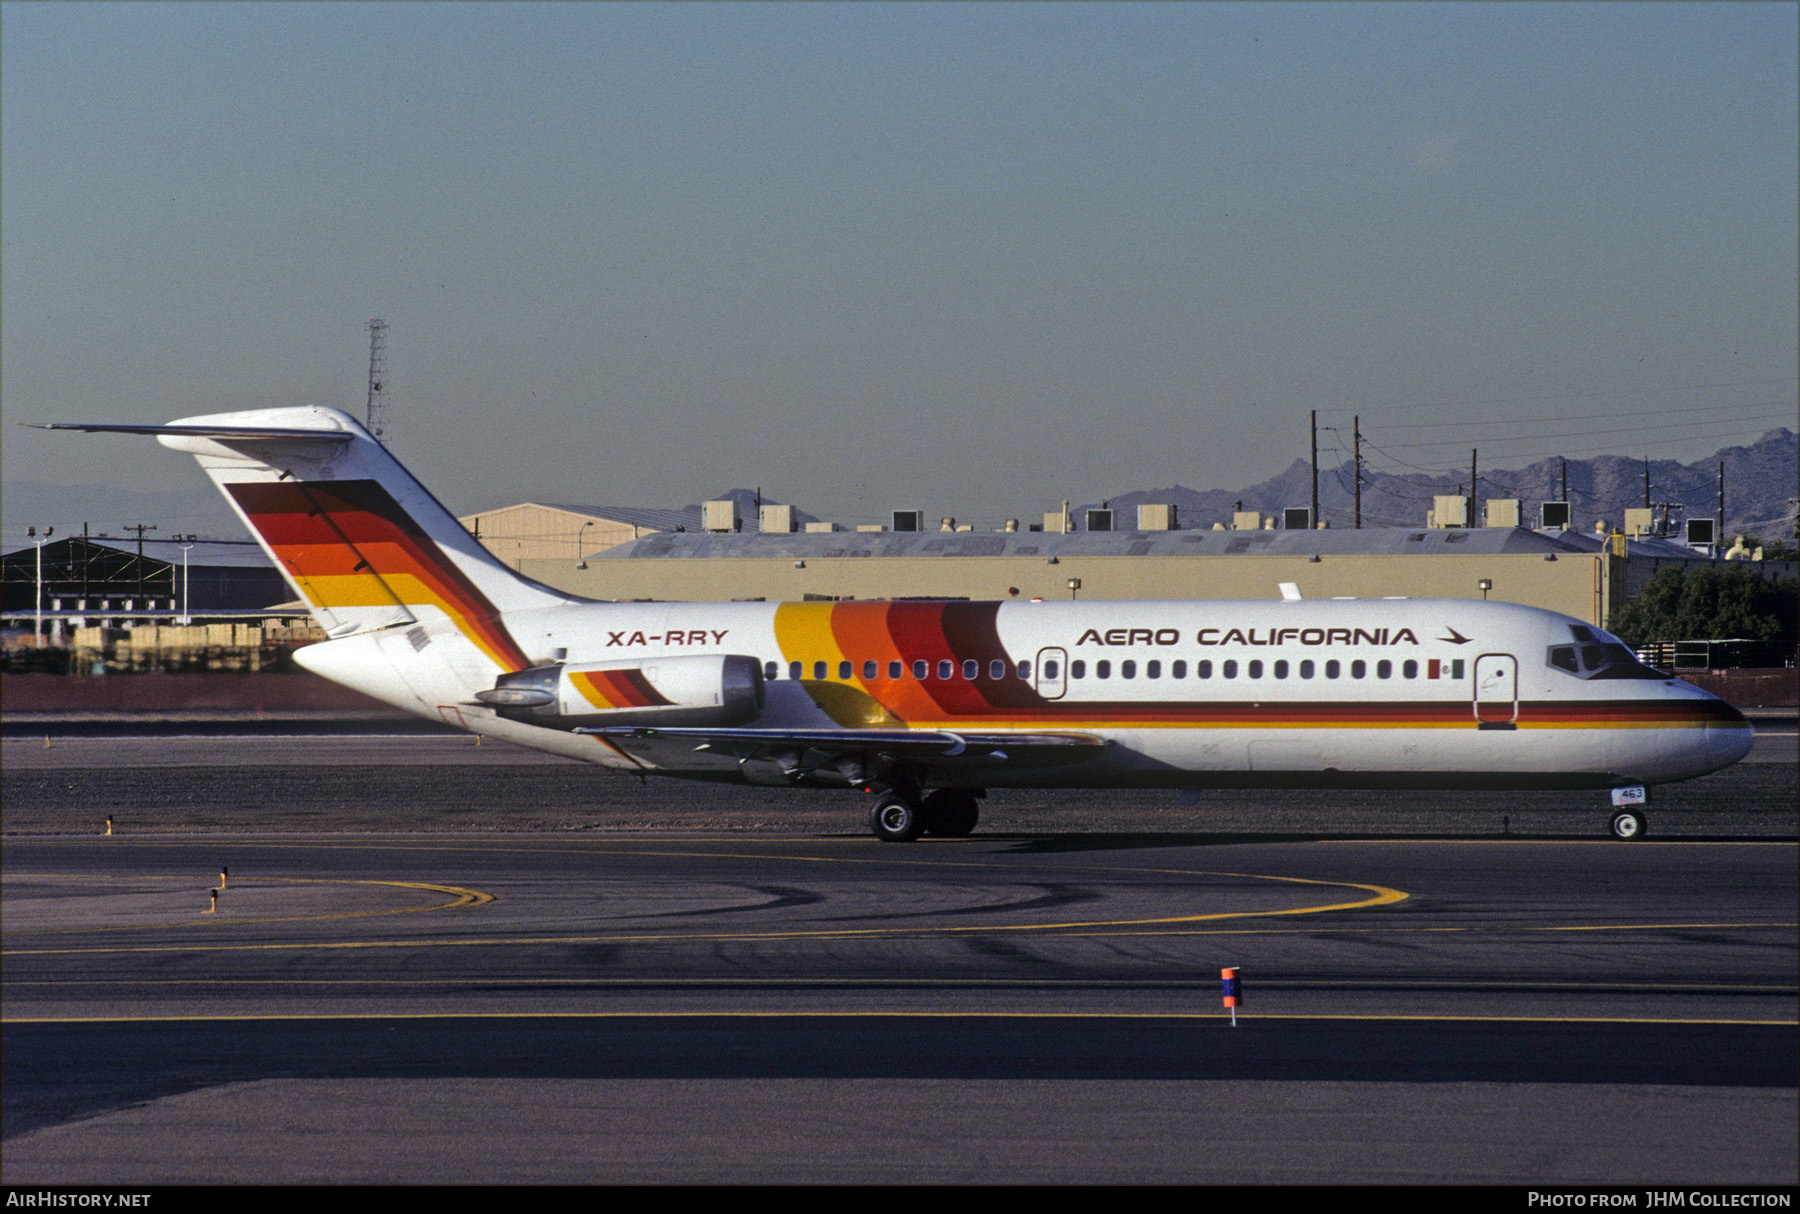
column 617, row 689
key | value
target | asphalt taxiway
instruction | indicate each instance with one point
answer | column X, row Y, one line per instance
column 624, row 1001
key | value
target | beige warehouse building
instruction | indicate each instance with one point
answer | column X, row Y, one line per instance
column 1573, row 574
column 700, row 555
column 538, row 531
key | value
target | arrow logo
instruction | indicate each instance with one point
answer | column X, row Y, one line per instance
column 1455, row 637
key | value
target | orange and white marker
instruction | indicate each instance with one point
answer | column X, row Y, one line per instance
column 1230, row 976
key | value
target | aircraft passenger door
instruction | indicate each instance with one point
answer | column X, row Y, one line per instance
column 1052, row 673
column 1496, row 690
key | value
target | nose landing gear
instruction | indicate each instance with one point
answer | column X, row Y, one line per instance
column 1628, row 811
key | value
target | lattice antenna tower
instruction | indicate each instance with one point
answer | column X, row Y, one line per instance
column 374, row 413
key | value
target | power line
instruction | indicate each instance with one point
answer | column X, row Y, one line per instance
column 1613, row 431
column 1615, row 394
column 1711, row 409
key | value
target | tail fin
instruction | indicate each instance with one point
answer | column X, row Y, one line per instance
column 362, row 542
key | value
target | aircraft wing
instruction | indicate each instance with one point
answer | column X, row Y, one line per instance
column 919, row 745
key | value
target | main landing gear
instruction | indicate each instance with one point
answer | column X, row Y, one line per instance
column 1628, row 824
column 901, row 815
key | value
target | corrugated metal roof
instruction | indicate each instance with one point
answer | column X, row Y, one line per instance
column 647, row 517
column 1045, row 544
column 243, row 554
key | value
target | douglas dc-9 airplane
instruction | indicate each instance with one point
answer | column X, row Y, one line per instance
column 897, row 698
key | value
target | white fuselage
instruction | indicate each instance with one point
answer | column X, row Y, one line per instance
column 1390, row 692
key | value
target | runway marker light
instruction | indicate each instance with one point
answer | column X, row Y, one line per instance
column 213, row 908
column 109, row 824
column 46, row 741
column 1229, row 975
column 223, row 873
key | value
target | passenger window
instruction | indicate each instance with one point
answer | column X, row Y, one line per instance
column 1025, row 670
column 996, row 670
column 921, row 668
column 1333, row 669
column 894, row 669
column 946, row 668
column 820, row 669
column 1229, row 670
column 771, row 670
column 1078, row 669
column 1128, row 670
column 1103, row 669
column 1359, row 669
column 1153, row 670
column 1384, row 669
column 794, row 670
column 1411, row 669
column 1203, row 669
column 869, row 669
column 1306, row 669
column 1281, row 670
column 1256, row 668
column 1178, row 670
column 971, row 668
column 844, row 671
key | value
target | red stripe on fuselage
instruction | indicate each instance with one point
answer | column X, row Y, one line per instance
column 337, row 528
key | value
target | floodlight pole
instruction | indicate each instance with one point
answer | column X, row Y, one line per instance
column 187, row 543
column 31, row 533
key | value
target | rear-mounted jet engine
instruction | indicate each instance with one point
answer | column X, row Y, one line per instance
column 718, row 691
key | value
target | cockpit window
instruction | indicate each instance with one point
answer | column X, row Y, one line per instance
column 1597, row 659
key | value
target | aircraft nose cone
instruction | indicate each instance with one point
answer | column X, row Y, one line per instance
column 1731, row 736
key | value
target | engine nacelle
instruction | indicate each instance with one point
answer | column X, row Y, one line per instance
column 721, row 690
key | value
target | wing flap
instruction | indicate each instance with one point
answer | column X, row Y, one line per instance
column 916, row 744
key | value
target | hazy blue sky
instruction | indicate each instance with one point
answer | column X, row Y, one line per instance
column 971, row 258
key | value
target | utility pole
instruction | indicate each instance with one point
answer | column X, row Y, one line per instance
column 140, row 529
column 1646, row 482
column 1315, row 469
column 377, row 403
column 1356, row 459
column 1719, row 526
column 1471, row 514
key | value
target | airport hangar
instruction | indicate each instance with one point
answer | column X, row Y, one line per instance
column 703, row 555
